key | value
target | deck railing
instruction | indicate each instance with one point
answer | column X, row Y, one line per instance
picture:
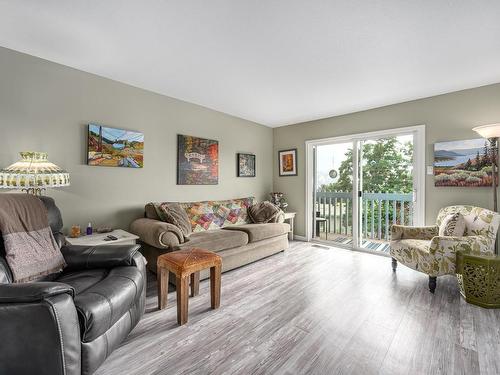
column 378, row 212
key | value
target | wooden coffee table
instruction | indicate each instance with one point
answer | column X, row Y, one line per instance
column 187, row 264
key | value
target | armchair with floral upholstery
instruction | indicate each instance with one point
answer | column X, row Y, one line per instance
column 422, row 249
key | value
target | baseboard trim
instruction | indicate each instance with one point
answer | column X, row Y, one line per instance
column 299, row 238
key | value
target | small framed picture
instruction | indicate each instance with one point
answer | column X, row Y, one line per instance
column 246, row 165
column 287, row 160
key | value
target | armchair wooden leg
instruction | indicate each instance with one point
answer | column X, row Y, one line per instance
column 394, row 264
column 432, row 283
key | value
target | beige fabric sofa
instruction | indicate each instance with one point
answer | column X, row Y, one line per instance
column 238, row 244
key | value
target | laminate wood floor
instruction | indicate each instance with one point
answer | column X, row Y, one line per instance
column 313, row 310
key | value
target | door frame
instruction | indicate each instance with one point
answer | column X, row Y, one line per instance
column 418, row 168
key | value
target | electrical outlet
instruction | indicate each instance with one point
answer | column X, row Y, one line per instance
column 430, row 170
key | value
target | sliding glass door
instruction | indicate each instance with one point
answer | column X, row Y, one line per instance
column 386, row 186
column 333, row 209
column 363, row 184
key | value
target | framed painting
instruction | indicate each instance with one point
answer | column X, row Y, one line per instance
column 112, row 147
column 464, row 163
column 287, row 161
column 246, row 165
column 197, row 161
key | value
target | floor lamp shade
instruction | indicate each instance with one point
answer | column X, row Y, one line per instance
column 488, row 131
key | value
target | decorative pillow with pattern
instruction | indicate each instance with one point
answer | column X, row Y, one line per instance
column 217, row 214
column 453, row 225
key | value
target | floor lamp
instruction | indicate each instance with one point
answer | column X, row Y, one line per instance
column 492, row 133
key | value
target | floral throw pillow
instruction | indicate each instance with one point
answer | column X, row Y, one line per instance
column 453, row 225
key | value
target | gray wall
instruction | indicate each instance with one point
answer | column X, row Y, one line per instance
column 447, row 117
column 46, row 106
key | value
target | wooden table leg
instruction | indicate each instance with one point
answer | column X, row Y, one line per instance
column 195, row 284
column 162, row 282
column 182, row 299
column 215, row 286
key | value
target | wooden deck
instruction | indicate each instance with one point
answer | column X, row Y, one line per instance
column 316, row 310
column 346, row 240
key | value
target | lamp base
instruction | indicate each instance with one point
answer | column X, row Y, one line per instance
column 34, row 191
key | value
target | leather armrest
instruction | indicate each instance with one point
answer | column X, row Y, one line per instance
column 105, row 256
column 39, row 336
column 157, row 233
column 32, row 292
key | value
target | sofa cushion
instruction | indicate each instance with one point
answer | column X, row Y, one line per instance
column 216, row 240
column 173, row 213
column 258, row 232
column 82, row 280
column 150, row 211
column 103, row 296
column 265, row 212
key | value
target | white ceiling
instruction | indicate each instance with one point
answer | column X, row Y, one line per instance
column 275, row 62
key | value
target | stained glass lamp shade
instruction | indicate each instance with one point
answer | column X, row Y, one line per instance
column 33, row 173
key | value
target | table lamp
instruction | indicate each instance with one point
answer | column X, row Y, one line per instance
column 33, row 174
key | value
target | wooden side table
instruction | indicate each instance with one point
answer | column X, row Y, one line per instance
column 187, row 264
column 290, row 216
column 98, row 239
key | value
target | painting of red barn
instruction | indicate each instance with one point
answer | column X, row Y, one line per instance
column 111, row 147
column 197, row 161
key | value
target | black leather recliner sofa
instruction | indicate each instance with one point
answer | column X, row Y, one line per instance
column 70, row 324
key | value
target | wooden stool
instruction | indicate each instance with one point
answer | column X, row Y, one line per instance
column 184, row 264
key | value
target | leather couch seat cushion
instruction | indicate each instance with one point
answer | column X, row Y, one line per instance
column 216, row 240
column 84, row 279
column 103, row 296
column 258, row 232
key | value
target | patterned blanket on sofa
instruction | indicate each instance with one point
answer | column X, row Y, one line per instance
column 217, row 214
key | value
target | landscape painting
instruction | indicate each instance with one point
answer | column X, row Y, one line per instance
column 246, row 165
column 463, row 163
column 111, row 147
column 197, row 161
